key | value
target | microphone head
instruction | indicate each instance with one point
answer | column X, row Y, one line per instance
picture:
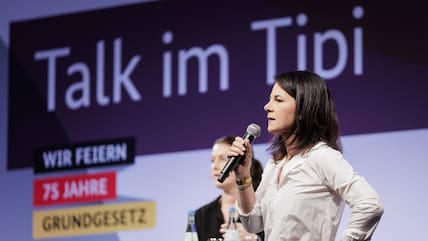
column 254, row 130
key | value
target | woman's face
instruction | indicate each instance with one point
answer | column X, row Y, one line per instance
column 218, row 160
column 281, row 109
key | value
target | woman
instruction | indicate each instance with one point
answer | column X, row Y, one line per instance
column 210, row 219
column 307, row 181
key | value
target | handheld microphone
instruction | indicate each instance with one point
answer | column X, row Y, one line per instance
column 253, row 131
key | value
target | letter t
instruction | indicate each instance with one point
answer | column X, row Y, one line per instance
column 51, row 55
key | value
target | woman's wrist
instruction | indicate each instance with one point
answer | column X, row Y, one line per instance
column 244, row 183
column 245, row 180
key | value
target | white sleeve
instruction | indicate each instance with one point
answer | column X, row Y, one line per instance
column 253, row 221
column 363, row 200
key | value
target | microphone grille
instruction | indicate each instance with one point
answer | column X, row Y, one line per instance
column 254, row 130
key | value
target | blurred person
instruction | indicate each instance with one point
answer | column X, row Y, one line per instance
column 211, row 219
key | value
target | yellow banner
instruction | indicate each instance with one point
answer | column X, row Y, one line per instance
column 94, row 219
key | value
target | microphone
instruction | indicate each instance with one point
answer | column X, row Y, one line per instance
column 253, row 131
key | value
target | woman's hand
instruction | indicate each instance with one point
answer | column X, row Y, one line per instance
column 242, row 148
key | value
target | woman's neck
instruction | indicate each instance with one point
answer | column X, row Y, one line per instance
column 290, row 145
column 228, row 197
column 227, row 200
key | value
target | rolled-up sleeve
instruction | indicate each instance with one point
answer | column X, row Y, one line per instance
column 253, row 220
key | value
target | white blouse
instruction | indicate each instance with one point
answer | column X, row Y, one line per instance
column 308, row 202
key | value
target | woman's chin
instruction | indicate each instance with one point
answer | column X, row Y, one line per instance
column 272, row 130
column 218, row 184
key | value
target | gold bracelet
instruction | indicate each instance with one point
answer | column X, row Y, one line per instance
column 244, row 181
column 244, row 186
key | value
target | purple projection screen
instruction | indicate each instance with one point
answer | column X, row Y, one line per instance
column 162, row 72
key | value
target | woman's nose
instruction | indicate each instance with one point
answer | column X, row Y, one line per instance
column 266, row 107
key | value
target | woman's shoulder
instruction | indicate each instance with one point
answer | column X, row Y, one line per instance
column 325, row 159
column 322, row 154
column 322, row 149
column 208, row 206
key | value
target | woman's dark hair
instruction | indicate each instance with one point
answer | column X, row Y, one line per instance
column 316, row 118
column 256, row 167
column 256, row 172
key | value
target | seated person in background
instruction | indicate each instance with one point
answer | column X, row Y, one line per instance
column 211, row 219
